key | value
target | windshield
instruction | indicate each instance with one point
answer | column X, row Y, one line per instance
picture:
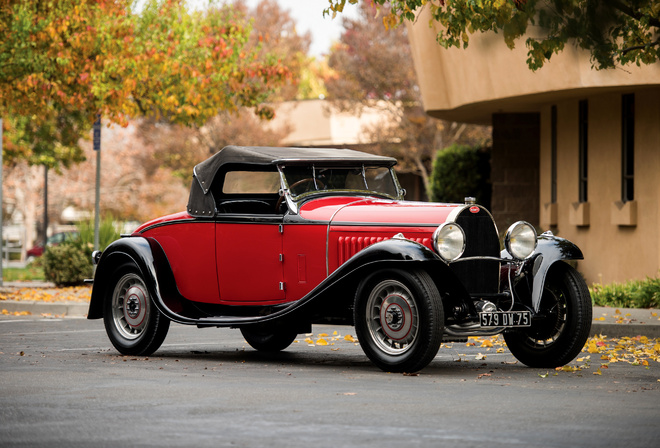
column 303, row 180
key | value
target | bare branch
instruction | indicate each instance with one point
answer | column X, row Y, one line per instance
column 641, row 47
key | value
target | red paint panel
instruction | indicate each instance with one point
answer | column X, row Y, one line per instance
column 164, row 219
column 303, row 242
column 190, row 250
column 359, row 210
column 249, row 266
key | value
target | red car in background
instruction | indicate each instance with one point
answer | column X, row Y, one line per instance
column 276, row 239
column 54, row 240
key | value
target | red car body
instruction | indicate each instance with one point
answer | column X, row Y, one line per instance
column 276, row 239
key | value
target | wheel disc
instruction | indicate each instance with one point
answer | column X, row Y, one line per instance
column 392, row 317
column 554, row 306
column 130, row 306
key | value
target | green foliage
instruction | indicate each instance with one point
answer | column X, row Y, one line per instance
column 85, row 240
column 632, row 294
column 614, row 32
column 460, row 171
column 66, row 265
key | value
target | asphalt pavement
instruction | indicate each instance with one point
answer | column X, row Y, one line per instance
column 611, row 322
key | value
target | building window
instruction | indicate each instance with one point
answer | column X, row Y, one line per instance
column 583, row 150
column 553, row 155
column 628, row 147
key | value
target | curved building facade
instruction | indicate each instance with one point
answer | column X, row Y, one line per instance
column 575, row 150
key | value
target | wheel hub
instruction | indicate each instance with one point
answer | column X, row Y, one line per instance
column 396, row 317
column 135, row 301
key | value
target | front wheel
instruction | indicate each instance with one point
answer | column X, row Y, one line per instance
column 133, row 324
column 399, row 320
column 557, row 339
column 268, row 340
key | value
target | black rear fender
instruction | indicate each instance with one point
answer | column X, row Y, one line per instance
column 148, row 257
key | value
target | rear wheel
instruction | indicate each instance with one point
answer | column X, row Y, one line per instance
column 268, row 340
column 133, row 324
column 559, row 337
column 399, row 320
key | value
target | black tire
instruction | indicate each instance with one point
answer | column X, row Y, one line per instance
column 268, row 341
column 559, row 338
column 133, row 324
column 399, row 320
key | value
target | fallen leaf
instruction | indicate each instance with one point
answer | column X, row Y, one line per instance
column 321, row 341
column 349, row 338
column 598, row 372
column 544, row 375
column 480, row 356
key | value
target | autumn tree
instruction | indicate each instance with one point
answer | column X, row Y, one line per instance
column 274, row 33
column 64, row 63
column 614, row 32
column 373, row 68
column 107, row 57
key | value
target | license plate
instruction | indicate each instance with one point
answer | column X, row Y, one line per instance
column 506, row 319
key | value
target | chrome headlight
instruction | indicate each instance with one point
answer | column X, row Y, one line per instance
column 520, row 240
column 449, row 241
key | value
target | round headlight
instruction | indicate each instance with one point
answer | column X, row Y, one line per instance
column 449, row 241
column 520, row 240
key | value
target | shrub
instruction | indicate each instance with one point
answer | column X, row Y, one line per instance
column 632, row 294
column 70, row 263
column 66, row 265
column 460, row 171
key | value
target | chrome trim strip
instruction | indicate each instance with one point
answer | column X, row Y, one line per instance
column 504, row 260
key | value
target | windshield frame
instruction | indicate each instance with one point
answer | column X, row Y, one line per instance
column 295, row 201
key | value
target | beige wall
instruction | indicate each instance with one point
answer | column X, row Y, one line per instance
column 470, row 85
column 613, row 252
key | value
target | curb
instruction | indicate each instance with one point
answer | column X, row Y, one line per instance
column 68, row 309
column 618, row 323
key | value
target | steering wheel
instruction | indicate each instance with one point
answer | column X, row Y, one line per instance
column 318, row 182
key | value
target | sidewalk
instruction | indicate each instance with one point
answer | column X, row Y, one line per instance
column 611, row 322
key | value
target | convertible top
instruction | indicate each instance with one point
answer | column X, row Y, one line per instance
column 200, row 202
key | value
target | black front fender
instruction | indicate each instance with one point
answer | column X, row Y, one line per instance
column 550, row 250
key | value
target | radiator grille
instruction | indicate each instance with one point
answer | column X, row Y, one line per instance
column 479, row 276
column 350, row 245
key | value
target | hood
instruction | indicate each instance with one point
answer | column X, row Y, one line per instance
column 353, row 210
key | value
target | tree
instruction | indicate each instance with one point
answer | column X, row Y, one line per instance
column 615, row 32
column 373, row 68
column 107, row 57
column 63, row 63
column 274, row 33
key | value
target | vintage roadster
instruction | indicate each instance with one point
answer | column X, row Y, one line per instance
column 277, row 239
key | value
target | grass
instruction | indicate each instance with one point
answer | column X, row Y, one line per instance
column 631, row 294
column 31, row 272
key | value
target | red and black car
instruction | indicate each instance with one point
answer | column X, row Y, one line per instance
column 277, row 239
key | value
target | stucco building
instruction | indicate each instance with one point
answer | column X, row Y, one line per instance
column 575, row 150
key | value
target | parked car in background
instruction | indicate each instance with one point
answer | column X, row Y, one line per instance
column 55, row 239
column 276, row 239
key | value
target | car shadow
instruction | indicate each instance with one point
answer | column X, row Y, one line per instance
column 354, row 360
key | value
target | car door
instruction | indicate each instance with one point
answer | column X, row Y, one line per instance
column 249, row 260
